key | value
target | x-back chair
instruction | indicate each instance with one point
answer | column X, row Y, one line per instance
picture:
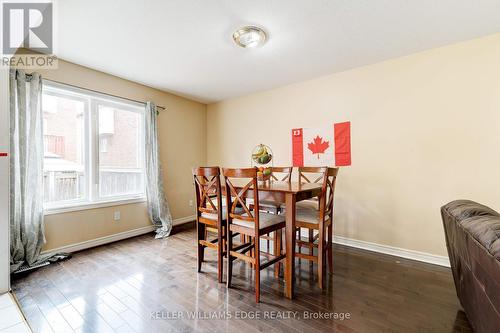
column 241, row 184
column 281, row 174
column 320, row 220
column 210, row 214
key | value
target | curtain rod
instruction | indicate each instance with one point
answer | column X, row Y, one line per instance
column 99, row 92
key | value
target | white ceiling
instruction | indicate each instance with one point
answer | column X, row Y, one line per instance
column 185, row 46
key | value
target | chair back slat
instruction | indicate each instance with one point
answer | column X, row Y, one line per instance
column 285, row 174
column 208, row 191
column 327, row 177
column 236, row 196
column 329, row 189
column 239, row 197
column 311, row 174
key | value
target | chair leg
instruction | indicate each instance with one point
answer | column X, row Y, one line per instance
column 220, row 254
column 251, row 250
column 277, row 252
column 321, row 243
column 224, row 242
column 311, row 248
column 268, row 242
column 229, row 258
column 299, row 250
column 257, row 268
column 330, row 248
column 201, row 248
column 311, row 240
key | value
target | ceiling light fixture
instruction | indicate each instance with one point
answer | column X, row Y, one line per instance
column 249, row 36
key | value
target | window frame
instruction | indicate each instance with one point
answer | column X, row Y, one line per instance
column 92, row 100
column 86, row 165
column 95, row 103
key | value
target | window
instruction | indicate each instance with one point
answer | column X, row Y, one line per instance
column 93, row 147
column 121, row 149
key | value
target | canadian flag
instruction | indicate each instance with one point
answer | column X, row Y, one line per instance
column 326, row 146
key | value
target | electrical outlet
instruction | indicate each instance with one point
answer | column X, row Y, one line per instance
column 190, row 203
column 117, row 215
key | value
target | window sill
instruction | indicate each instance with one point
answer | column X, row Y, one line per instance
column 92, row 205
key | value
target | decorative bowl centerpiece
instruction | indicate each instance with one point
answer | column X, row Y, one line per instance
column 264, row 174
column 262, row 157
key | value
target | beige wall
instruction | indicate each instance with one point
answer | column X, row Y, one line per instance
column 182, row 134
column 425, row 131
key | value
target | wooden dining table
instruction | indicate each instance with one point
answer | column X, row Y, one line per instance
column 288, row 193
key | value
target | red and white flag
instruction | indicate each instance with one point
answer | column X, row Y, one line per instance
column 326, row 146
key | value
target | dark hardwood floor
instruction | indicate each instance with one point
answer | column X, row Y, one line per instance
column 147, row 285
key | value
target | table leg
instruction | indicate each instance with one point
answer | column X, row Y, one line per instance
column 290, row 243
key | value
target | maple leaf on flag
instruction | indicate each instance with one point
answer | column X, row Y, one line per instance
column 318, row 146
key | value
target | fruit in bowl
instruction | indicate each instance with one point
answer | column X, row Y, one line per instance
column 264, row 173
column 261, row 154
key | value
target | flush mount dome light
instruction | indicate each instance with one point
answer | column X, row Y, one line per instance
column 249, row 36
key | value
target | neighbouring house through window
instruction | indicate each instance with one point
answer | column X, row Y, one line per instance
column 93, row 147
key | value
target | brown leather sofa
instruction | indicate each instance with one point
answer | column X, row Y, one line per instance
column 473, row 241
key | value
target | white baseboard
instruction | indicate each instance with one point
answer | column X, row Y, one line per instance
column 113, row 238
column 390, row 250
column 374, row 247
column 394, row 251
column 183, row 220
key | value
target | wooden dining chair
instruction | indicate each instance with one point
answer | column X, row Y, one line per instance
column 320, row 220
column 210, row 214
column 282, row 174
column 308, row 175
column 252, row 223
